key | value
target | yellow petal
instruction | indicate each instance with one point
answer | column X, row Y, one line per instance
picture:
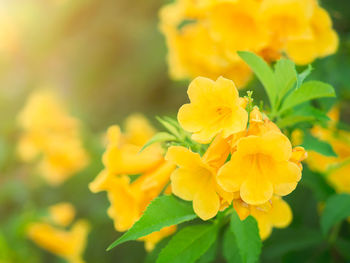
column 186, row 183
column 256, row 190
column 231, row 176
column 206, row 202
column 280, row 213
column 285, row 177
column 183, row 157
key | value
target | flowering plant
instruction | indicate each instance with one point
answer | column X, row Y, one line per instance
column 229, row 165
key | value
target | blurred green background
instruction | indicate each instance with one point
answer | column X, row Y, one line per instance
column 107, row 60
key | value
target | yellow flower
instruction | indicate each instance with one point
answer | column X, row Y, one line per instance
column 51, row 134
column 195, row 179
column 68, row 244
column 323, row 41
column 122, row 156
column 287, row 19
column 62, row 214
column 203, row 37
column 215, row 107
column 338, row 139
column 260, row 167
column 339, row 177
column 274, row 213
column 236, row 26
column 129, row 199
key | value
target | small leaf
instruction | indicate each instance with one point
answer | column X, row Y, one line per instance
column 159, row 137
column 303, row 75
column 286, row 76
column 230, row 249
column 170, row 126
column 314, row 144
column 162, row 212
column 263, row 72
column 189, row 244
column 337, row 208
column 292, row 120
column 308, row 91
column 247, row 237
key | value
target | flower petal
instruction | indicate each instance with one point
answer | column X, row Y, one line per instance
column 206, row 202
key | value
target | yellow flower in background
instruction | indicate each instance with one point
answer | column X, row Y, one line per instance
column 215, row 107
column 62, row 213
column 195, row 179
column 132, row 179
column 339, row 177
column 338, row 139
column 274, row 213
column 322, row 42
column 203, row 37
column 68, row 244
column 260, row 167
column 52, row 136
column 287, row 19
column 123, row 156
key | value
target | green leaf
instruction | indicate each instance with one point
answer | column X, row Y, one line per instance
column 308, row 91
column 292, row 120
column 337, row 208
column 286, row 75
column 230, row 249
column 314, row 144
column 210, row 255
column 247, row 237
column 290, row 239
column 159, row 137
column 162, row 212
column 189, row 244
column 343, row 246
column 263, row 72
column 303, row 75
column 170, row 126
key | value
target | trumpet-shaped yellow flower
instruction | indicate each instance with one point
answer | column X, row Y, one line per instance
column 49, row 131
column 338, row 139
column 322, row 42
column 203, row 37
column 339, row 177
column 68, row 244
column 287, row 19
column 122, row 158
column 274, row 213
column 62, row 214
column 260, row 167
column 215, row 107
column 129, row 199
column 195, row 179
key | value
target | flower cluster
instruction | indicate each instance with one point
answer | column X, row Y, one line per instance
column 203, row 37
column 50, row 134
column 51, row 235
column 262, row 166
column 131, row 178
column 337, row 168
